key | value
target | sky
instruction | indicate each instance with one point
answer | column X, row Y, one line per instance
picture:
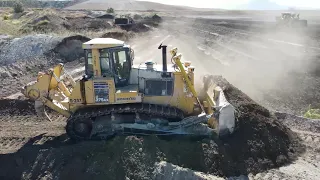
column 233, row 4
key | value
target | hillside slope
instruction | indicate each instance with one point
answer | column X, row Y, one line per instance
column 262, row 5
column 127, row 5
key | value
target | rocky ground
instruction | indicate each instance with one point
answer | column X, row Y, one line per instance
column 254, row 58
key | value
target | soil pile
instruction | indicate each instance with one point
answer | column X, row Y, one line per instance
column 118, row 34
column 261, row 142
column 139, row 27
column 46, row 23
column 86, row 23
column 16, row 107
column 32, row 47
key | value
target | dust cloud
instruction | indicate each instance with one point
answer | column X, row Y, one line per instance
column 274, row 66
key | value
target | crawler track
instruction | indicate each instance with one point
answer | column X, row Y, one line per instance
column 88, row 116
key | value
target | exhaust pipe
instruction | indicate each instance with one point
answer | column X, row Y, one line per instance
column 164, row 57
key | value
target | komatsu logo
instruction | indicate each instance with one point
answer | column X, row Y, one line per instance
column 127, row 99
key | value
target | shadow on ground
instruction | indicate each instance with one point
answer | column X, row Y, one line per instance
column 130, row 156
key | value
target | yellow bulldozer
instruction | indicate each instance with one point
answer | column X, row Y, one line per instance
column 291, row 20
column 117, row 97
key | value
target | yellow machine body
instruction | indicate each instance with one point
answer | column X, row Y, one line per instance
column 146, row 84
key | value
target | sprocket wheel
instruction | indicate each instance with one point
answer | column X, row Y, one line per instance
column 79, row 129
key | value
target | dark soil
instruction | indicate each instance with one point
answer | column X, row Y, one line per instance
column 121, row 35
column 82, row 23
column 260, row 140
column 70, row 48
column 16, row 107
column 136, row 27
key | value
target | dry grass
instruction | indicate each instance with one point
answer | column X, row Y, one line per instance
column 9, row 28
column 18, row 25
column 10, row 25
column 312, row 113
column 89, row 34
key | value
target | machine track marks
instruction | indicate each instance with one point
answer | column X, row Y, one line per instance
column 11, row 144
column 13, row 136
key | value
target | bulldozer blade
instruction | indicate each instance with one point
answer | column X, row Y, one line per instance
column 225, row 113
column 223, row 116
column 40, row 110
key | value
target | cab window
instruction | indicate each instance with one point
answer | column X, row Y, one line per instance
column 104, row 62
column 122, row 65
column 89, row 64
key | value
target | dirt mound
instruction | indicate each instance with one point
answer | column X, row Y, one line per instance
column 85, row 23
column 139, row 27
column 106, row 16
column 154, row 20
column 16, row 107
column 46, row 23
column 118, row 34
column 260, row 141
column 40, row 46
column 70, row 48
column 59, row 22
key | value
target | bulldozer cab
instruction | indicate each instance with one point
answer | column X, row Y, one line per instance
column 107, row 57
column 286, row 15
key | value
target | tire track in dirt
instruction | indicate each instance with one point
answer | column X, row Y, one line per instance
column 231, row 51
column 261, row 51
column 279, row 48
column 17, row 130
column 19, row 123
column 254, row 45
column 310, row 32
column 263, row 29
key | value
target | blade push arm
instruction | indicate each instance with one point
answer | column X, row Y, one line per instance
column 176, row 58
column 50, row 90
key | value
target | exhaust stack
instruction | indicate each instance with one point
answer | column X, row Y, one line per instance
column 164, row 57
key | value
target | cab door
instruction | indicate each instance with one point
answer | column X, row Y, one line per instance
column 120, row 59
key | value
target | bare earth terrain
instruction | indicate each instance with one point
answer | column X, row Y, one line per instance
column 278, row 69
